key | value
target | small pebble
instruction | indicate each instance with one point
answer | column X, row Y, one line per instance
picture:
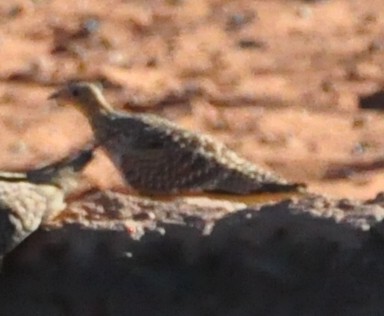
column 90, row 26
column 144, row 216
column 248, row 43
column 237, row 21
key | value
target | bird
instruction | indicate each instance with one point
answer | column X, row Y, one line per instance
column 157, row 157
column 23, row 206
column 29, row 198
column 65, row 173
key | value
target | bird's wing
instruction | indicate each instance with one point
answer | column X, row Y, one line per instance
column 162, row 158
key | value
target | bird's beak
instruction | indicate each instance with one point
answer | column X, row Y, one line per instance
column 60, row 96
column 54, row 95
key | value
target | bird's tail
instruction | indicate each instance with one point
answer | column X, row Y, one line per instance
column 240, row 183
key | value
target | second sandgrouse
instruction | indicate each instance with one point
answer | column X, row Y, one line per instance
column 155, row 156
column 27, row 199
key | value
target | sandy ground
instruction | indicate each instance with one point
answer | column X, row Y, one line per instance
column 279, row 81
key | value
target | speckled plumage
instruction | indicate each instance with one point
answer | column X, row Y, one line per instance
column 27, row 199
column 156, row 156
column 23, row 206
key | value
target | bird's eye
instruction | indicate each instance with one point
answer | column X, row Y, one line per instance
column 75, row 92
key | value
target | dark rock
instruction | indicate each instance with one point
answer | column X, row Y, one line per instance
column 373, row 101
column 313, row 256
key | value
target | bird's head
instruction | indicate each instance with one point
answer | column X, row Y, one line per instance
column 85, row 96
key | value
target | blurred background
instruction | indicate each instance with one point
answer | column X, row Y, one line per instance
column 295, row 86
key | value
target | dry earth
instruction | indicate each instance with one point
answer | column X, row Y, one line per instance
column 278, row 81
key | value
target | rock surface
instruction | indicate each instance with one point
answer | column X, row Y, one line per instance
column 113, row 254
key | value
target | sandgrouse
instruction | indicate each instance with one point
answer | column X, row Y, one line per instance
column 155, row 156
column 27, row 199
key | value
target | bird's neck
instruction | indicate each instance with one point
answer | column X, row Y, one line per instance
column 98, row 112
column 101, row 115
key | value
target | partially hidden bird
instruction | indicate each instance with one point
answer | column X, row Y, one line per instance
column 29, row 198
column 155, row 156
